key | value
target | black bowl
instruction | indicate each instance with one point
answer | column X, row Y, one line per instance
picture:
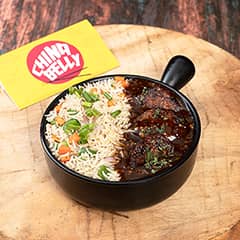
column 139, row 193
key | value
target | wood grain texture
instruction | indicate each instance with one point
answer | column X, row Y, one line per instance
column 32, row 206
column 214, row 20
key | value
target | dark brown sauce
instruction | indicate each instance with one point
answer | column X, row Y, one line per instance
column 160, row 133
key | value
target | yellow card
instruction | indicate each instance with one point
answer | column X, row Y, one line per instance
column 53, row 63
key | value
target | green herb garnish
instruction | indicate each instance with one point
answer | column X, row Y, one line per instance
column 103, row 171
column 94, row 97
column 115, row 113
column 84, row 132
column 90, row 112
column 86, row 96
column 71, row 90
column 71, row 125
column 92, row 151
column 86, row 150
column 148, row 156
column 82, row 150
column 87, row 104
column 147, row 165
column 72, row 112
column 107, row 95
column 90, row 97
column 162, row 129
column 153, row 162
column 156, row 113
column 64, row 142
column 76, row 91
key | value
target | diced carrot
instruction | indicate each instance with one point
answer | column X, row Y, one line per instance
column 55, row 138
column 122, row 94
column 124, row 83
column 60, row 121
column 64, row 159
column 101, row 91
column 64, row 149
column 121, row 80
column 93, row 90
column 58, row 108
column 111, row 103
column 74, row 138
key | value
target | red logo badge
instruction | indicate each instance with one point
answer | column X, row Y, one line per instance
column 55, row 62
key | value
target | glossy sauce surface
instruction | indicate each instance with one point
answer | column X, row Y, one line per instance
column 160, row 133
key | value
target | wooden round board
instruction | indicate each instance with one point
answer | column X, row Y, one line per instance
column 32, row 206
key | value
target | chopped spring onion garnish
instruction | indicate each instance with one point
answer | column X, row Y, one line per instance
column 148, row 156
column 115, row 113
column 103, row 171
column 90, row 112
column 64, row 142
column 87, row 104
column 90, row 97
column 71, row 125
column 86, row 96
column 86, row 150
column 84, row 132
column 107, row 95
column 76, row 91
column 72, row 112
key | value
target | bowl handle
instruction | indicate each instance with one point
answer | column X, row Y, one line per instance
column 178, row 72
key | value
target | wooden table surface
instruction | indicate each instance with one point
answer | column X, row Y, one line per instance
column 207, row 207
column 216, row 21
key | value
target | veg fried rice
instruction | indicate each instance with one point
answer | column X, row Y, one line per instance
column 86, row 127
